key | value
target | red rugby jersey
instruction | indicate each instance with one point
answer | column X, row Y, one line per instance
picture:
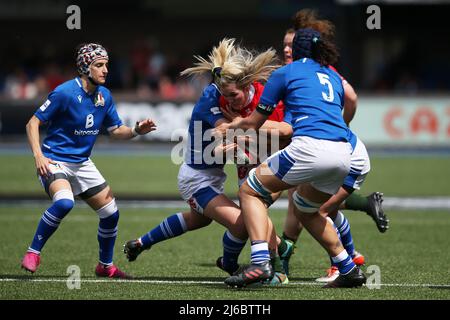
column 334, row 69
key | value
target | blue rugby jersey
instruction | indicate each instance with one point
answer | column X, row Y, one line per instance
column 205, row 114
column 74, row 120
column 313, row 96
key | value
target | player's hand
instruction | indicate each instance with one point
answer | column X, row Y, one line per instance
column 246, row 149
column 42, row 165
column 145, row 126
column 245, row 140
column 221, row 130
column 229, row 113
column 224, row 148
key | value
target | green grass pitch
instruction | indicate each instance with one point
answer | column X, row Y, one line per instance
column 413, row 255
column 413, row 258
column 157, row 175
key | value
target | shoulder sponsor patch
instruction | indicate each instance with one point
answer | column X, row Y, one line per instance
column 45, row 105
column 215, row 110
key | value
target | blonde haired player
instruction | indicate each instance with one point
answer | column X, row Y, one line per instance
column 235, row 73
column 316, row 161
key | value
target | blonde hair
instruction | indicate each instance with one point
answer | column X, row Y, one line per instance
column 230, row 63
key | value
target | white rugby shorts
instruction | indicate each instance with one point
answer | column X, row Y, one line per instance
column 81, row 176
column 359, row 166
column 322, row 163
column 199, row 187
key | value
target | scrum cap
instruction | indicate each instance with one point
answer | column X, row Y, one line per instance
column 88, row 54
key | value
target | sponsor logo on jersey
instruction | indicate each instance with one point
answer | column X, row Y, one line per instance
column 45, row 105
column 79, row 98
column 86, row 132
column 89, row 121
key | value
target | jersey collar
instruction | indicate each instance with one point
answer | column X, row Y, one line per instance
column 80, row 85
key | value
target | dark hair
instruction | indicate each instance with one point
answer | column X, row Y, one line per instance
column 307, row 18
column 290, row 30
column 325, row 52
column 309, row 43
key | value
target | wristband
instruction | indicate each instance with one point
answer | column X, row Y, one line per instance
column 134, row 131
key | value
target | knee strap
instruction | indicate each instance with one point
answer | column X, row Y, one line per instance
column 63, row 194
column 258, row 187
column 305, row 205
column 107, row 210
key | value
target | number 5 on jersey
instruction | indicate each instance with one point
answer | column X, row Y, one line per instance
column 325, row 80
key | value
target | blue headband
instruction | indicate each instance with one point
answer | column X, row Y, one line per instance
column 303, row 42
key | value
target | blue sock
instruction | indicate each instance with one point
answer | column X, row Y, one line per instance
column 49, row 223
column 107, row 233
column 343, row 227
column 344, row 262
column 260, row 252
column 232, row 247
column 170, row 227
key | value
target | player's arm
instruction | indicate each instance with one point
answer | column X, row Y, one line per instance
column 276, row 128
column 224, row 147
column 335, row 201
column 227, row 145
column 220, row 122
column 124, row 132
column 118, row 130
column 253, row 121
column 280, row 131
column 41, row 161
column 350, row 102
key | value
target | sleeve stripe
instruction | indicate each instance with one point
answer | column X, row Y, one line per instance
column 112, row 128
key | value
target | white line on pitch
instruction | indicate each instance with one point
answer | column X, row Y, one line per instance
column 390, row 203
column 423, row 285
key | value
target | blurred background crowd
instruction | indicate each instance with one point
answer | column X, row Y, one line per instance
column 150, row 42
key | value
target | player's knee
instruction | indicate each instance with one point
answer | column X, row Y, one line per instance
column 206, row 223
column 304, row 205
column 109, row 210
column 244, row 191
column 64, row 205
column 63, row 200
column 195, row 220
